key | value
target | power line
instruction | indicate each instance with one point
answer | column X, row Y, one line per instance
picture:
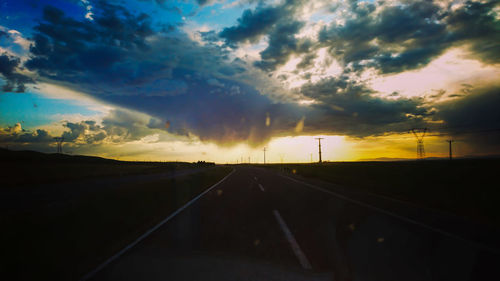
column 473, row 132
column 455, row 133
column 447, row 134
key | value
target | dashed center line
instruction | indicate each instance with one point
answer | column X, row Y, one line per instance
column 293, row 243
column 261, row 188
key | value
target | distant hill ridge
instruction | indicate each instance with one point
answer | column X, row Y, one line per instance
column 35, row 156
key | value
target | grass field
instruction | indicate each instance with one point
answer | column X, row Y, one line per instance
column 19, row 168
column 467, row 187
column 66, row 241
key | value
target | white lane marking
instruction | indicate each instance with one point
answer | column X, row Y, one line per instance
column 293, row 243
column 255, row 178
column 147, row 233
column 445, row 233
column 261, row 187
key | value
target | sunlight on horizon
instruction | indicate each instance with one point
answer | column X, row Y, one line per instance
column 297, row 149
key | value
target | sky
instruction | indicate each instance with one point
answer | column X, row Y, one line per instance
column 220, row 80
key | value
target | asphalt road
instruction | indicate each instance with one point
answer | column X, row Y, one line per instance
column 260, row 225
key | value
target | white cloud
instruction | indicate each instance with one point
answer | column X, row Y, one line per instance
column 447, row 72
column 89, row 15
column 60, row 92
column 19, row 39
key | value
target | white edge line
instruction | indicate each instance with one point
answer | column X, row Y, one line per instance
column 261, row 188
column 392, row 214
column 293, row 243
column 147, row 233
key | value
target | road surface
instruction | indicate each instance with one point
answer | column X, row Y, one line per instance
column 260, row 225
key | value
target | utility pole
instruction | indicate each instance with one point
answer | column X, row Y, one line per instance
column 311, row 157
column 319, row 148
column 264, row 155
column 451, row 154
column 59, row 141
column 419, row 135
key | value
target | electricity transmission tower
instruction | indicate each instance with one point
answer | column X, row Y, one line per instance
column 419, row 135
column 264, row 155
column 59, row 141
column 451, row 154
column 319, row 148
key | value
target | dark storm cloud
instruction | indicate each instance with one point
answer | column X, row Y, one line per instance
column 254, row 24
column 4, row 34
column 352, row 42
column 282, row 44
column 221, row 114
column 169, row 77
column 9, row 70
column 121, row 59
column 204, row 2
column 347, row 107
column 224, row 111
column 75, row 130
column 66, row 49
column 307, row 61
column 195, row 88
column 478, row 110
column 118, row 53
column 393, row 40
column 167, row 5
column 479, row 25
column 403, row 37
column 278, row 23
column 473, row 118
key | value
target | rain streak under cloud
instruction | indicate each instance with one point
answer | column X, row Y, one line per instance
column 194, row 78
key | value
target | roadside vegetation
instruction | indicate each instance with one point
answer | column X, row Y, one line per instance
column 64, row 241
column 466, row 187
column 22, row 168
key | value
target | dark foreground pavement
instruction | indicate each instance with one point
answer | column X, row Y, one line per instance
column 258, row 225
